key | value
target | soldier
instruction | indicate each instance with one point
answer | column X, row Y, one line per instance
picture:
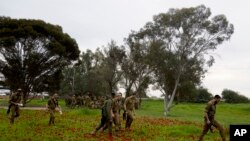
column 129, row 109
column 52, row 105
column 209, row 118
column 116, row 108
column 73, row 101
column 14, row 104
column 107, row 116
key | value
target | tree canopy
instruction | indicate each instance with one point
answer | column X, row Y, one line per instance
column 32, row 52
column 180, row 42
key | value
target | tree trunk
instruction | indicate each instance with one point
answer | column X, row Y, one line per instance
column 165, row 104
column 24, row 99
column 173, row 95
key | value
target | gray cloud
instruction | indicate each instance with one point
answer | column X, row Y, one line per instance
column 94, row 23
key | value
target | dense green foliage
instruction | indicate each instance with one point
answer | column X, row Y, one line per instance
column 33, row 53
column 172, row 53
column 233, row 97
column 179, row 44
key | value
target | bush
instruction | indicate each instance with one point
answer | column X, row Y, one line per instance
column 233, row 97
column 203, row 95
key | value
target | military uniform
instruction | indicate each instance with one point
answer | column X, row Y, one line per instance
column 129, row 107
column 106, row 119
column 116, row 111
column 14, row 108
column 211, row 110
column 73, row 104
column 52, row 104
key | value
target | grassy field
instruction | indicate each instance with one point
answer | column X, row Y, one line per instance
column 184, row 123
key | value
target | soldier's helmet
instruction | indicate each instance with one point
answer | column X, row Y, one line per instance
column 55, row 95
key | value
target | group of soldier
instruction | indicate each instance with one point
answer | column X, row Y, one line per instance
column 15, row 102
column 90, row 101
column 111, row 111
column 94, row 102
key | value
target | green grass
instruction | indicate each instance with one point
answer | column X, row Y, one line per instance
column 225, row 113
column 184, row 123
column 33, row 103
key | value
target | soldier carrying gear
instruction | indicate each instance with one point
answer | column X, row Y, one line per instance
column 107, row 117
column 14, row 103
column 209, row 120
column 116, row 106
column 129, row 109
column 52, row 105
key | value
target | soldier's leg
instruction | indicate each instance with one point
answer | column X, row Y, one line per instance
column 204, row 131
column 8, row 111
column 100, row 126
column 131, row 118
column 13, row 112
column 118, row 121
column 127, row 121
column 109, row 124
column 52, row 117
column 131, row 121
column 17, row 110
column 220, row 128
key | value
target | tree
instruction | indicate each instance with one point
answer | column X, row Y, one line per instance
column 33, row 52
column 85, row 76
column 203, row 95
column 233, row 97
column 136, row 69
column 111, row 66
column 182, row 40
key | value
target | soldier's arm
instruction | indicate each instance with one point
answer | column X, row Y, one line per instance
column 124, row 105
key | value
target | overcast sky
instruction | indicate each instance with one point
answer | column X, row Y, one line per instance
column 93, row 23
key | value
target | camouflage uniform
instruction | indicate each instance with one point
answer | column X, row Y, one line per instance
column 116, row 111
column 14, row 108
column 52, row 104
column 129, row 108
column 210, row 110
column 106, row 120
column 73, row 104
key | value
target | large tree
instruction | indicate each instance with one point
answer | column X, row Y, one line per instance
column 111, row 71
column 33, row 53
column 136, row 69
column 182, row 40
